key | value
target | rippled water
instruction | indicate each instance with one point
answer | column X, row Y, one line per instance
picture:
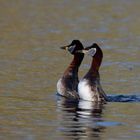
column 31, row 62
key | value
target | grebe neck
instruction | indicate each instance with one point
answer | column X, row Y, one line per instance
column 95, row 65
column 75, row 63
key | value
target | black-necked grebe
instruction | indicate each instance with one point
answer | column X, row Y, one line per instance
column 67, row 85
column 89, row 88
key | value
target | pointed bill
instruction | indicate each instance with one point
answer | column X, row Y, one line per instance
column 64, row 48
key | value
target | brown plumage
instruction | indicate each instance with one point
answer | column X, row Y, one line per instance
column 67, row 84
column 89, row 87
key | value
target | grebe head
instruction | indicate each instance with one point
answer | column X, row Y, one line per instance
column 94, row 50
column 73, row 47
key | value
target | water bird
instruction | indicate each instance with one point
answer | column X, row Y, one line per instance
column 89, row 87
column 67, row 85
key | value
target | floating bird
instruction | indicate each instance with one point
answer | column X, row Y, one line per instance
column 67, row 85
column 89, row 88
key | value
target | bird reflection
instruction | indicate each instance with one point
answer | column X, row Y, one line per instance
column 79, row 120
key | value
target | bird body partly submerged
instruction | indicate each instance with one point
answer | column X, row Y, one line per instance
column 89, row 88
column 68, row 83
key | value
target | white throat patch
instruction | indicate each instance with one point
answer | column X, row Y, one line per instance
column 92, row 51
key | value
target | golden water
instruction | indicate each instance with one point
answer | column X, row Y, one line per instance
column 31, row 62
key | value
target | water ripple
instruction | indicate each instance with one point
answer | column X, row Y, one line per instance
column 123, row 98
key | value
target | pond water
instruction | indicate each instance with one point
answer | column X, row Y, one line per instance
column 31, row 62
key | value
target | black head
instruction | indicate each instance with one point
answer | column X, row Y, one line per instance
column 74, row 46
column 94, row 50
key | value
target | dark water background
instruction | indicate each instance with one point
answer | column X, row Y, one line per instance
column 31, row 32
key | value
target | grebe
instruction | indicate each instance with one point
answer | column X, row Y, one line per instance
column 67, row 85
column 89, row 88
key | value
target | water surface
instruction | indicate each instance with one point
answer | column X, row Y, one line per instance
column 31, row 62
